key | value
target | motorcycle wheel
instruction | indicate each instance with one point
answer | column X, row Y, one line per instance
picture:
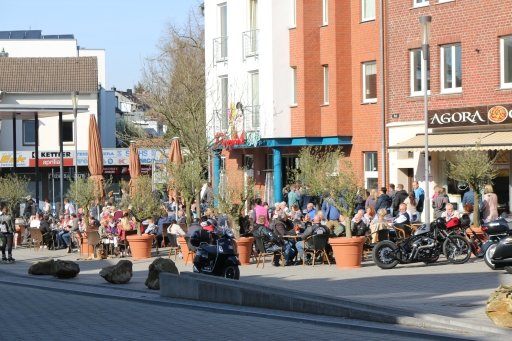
column 488, row 256
column 457, row 249
column 476, row 245
column 231, row 272
column 383, row 255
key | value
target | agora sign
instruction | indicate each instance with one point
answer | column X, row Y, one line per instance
column 472, row 116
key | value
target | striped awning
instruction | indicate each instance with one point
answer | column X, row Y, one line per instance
column 454, row 142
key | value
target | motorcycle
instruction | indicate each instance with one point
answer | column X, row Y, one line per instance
column 425, row 245
column 216, row 253
column 497, row 230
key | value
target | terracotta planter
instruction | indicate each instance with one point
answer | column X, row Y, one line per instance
column 244, row 245
column 20, row 237
column 86, row 248
column 347, row 251
column 140, row 246
column 184, row 250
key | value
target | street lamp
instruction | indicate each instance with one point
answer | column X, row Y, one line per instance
column 425, row 48
column 74, row 98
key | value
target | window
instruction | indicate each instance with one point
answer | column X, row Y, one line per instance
column 506, row 62
column 420, row 3
column 223, row 11
column 371, row 174
column 417, row 65
column 451, row 68
column 255, row 90
column 67, row 128
column 253, row 20
column 225, row 102
column 368, row 10
column 294, row 13
column 326, row 84
column 325, row 11
column 294, row 82
column 29, row 133
column 370, row 82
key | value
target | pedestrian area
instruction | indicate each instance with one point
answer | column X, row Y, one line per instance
column 458, row 292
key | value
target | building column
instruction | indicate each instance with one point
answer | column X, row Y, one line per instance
column 36, row 133
column 216, row 174
column 61, row 149
column 278, row 175
column 14, row 156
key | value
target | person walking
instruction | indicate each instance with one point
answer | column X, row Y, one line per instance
column 6, row 234
column 419, row 194
column 489, row 206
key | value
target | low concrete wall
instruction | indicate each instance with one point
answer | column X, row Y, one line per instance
column 198, row 287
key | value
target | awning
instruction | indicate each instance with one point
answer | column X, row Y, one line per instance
column 453, row 142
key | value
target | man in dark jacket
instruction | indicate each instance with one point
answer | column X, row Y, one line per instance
column 195, row 226
column 358, row 227
column 46, row 231
column 400, row 197
column 311, row 230
column 384, row 201
column 272, row 242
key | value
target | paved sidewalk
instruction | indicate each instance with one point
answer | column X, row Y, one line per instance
column 455, row 291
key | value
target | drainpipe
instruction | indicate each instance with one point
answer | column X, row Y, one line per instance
column 382, row 93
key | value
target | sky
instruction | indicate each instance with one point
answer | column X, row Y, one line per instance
column 128, row 30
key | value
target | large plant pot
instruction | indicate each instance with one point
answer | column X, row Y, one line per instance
column 20, row 237
column 244, row 245
column 184, row 250
column 86, row 248
column 140, row 246
column 347, row 251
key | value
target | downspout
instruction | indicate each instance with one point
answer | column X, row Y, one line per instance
column 382, row 93
column 98, row 107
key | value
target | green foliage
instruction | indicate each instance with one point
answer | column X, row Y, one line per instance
column 126, row 131
column 329, row 174
column 13, row 190
column 473, row 166
column 236, row 193
column 143, row 203
column 83, row 191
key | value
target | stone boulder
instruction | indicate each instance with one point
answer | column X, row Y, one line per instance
column 499, row 306
column 159, row 265
column 65, row 269
column 42, row 267
column 121, row 273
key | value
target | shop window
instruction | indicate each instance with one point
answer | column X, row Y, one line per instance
column 368, row 10
column 325, row 12
column 67, row 130
column 451, row 68
column 506, row 62
column 371, row 173
column 29, row 133
column 370, row 82
column 417, row 66
column 420, row 3
column 326, row 84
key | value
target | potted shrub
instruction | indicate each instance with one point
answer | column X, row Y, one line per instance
column 329, row 174
column 143, row 206
column 235, row 195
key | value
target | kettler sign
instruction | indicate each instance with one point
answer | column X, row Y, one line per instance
column 471, row 116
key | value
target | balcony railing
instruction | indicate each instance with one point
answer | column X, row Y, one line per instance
column 251, row 120
column 250, row 44
column 220, row 49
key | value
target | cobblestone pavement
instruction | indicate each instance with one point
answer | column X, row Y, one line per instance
column 455, row 291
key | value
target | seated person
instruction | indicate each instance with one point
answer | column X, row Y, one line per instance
column 369, row 216
column 358, row 226
column 402, row 219
column 176, row 229
column 450, row 213
column 360, row 212
column 468, row 209
column 272, row 242
column 339, row 231
column 311, row 230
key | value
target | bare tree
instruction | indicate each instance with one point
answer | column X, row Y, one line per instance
column 13, row 190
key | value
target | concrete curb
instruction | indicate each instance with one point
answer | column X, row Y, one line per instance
column 263, row 313
column 197, row 287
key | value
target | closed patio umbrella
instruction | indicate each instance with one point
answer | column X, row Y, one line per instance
column 134, row 166
column 175, row 156
column 95, row 156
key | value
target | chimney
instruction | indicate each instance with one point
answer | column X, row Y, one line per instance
column 3, row 53
column 129, row 91
column 113, row 88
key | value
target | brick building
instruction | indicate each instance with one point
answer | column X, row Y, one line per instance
column 469, row 77
column 318, row 83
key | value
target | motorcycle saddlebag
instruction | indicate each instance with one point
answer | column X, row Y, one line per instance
column 501, row 225
column 199, row 237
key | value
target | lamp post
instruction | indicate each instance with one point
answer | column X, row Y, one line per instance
column 74, row 98
column 425, row 48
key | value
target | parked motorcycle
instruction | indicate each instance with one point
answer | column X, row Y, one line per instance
column 497, row 231
column 216, row 254
column 424, row 246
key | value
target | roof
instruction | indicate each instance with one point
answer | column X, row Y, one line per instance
column 63, row 74
column 453, row 142
column 32, row 34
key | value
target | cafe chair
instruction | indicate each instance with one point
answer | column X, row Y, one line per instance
column 174, row 246
column 262, row 251
column 316, row 246
column 191, row 249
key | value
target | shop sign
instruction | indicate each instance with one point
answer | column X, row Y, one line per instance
column 111, row 170
column 470, row 116
column 66, row 176
column 7, row 160
column 144, row 169
column 51, row 162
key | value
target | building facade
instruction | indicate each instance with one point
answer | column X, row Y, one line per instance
column 469, row 89
column 291, row 74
